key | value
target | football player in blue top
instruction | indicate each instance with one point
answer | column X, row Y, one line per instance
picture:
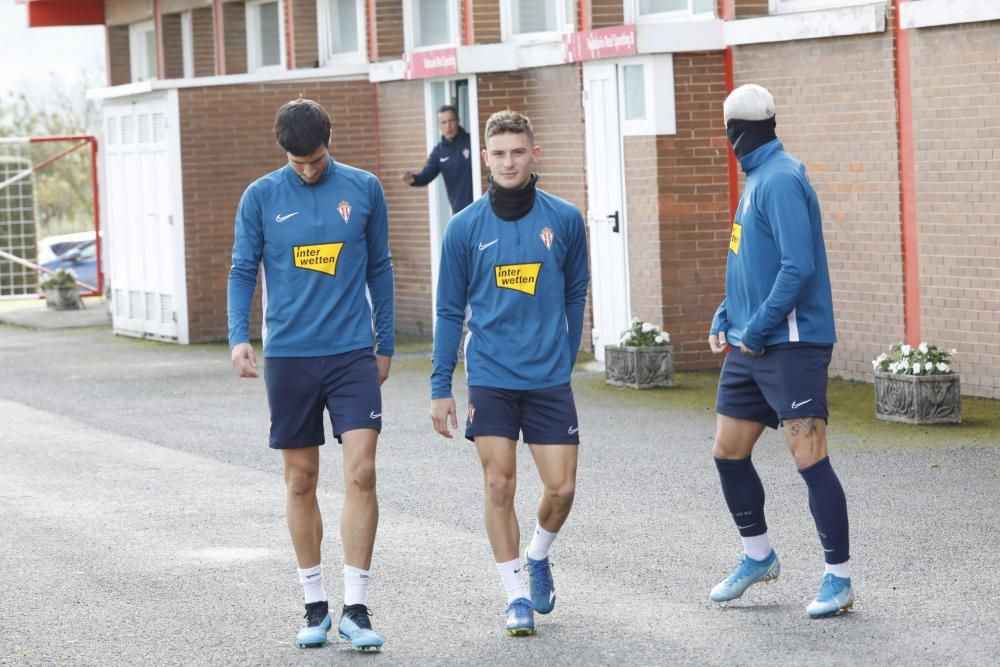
column 517, row 260
column 778, row 317
column 319, row 230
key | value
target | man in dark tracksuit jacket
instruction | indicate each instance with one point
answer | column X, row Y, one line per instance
column 452, row 157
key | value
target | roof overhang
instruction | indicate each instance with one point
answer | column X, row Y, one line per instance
column 46, row 13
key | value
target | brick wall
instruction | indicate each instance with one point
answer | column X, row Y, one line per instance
column 203, row 39
column 693, row 203
column 210, row 129
column 485, row 21
column 304, row 23
column 835, row 108
column 404, row 147
column 173, row 54
column 642, row 222
column 606, row 13
column 235, row 38
column 119, row 65
column 550, row 97
column 389, row 29
column 749, row 8
column 956, row 95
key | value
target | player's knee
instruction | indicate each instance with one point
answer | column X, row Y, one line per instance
column 301, row 481
column 562, row 495
column 362, row 478
column 499, row 489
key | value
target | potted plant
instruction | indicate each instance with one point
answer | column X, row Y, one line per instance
column 61, row 291
column 643, row 358
column 915, row 385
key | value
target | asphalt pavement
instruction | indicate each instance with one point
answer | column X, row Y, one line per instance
column 142, row 522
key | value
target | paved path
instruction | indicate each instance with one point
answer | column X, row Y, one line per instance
column 141, row 521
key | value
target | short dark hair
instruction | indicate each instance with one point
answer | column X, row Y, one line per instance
column 508, row 121
column 301, row 126
column 444, row 108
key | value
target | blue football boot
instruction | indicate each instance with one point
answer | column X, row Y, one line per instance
column 543, row 589
column 520, row 618
column 313, row 633
column 836, row 595
column 357, row 629
column 747, row 573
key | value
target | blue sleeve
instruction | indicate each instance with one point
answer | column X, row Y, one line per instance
column 248, row 247
column 787, row 214
column 452, row 297
column 577, row 277
column 379, row 273
column 720, row 322
column 430, row 170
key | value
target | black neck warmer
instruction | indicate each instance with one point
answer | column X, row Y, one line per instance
column 512, row 205
column 746, row 136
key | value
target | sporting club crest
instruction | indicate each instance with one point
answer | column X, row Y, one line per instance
column 466, row 153
column 345, row 210
column 547, row 236
column 472, row 412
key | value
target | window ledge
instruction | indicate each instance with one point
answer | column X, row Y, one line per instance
column 929, row 13
column 676, row 36
column 840, row 22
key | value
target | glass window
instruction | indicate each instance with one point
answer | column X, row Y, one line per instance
column 269, row 34
column 533, row 16
column 142, row 51
column 635, row 92
column 648, row 7
column 432, row 23
column 342, row 24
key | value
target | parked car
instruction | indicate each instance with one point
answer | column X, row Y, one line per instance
column 77, row 252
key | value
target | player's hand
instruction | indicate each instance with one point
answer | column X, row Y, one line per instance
column 718, row 342
column 244, row 361
column 443, row 411
column 382, row 363
column 750, row 353
column 408, row 177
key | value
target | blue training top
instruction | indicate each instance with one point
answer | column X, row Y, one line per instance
column 452, row 159
column 525, row 283
column 777, row 279
column 320, row 245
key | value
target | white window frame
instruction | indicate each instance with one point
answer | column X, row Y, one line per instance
column 507, row 33
column 187, row 43
column 660, row 117
column 794, row 6
column 632, row 14
column 253, row 34
column 140, row 69
column 410, row 28
column 326, row 54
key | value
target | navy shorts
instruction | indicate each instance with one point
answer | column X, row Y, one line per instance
column 788, row 382
column 545, row 416
column 298, row 388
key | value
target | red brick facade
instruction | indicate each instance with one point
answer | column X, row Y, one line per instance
column 606, row 13
column 485, row 21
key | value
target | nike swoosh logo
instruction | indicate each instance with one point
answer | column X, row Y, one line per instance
column 573, row 429
column 375, row 416
column 827, row 550
column 484, row 246
column 444, row 159
column 749, row 525
column 517, row 570
column 310, row 576
column 796, row 406
column 282, row 218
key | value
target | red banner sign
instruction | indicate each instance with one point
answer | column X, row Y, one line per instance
column 425, row 64
column 601, row 43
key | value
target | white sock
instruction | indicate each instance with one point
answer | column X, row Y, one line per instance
column 311, row 579
column 541, row 542
column 356, row 585
column 757, row 547
column 510, row 573
column 839, row 569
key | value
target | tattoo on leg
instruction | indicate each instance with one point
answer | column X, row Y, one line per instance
column 805, row 426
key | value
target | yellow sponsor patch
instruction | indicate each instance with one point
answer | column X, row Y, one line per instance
column 321, row 257
column 734, row 240
column 518, row 277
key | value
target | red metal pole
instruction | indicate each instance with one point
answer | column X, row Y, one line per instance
column 220, row 41
column 289, row 35
column 372, row 35
column 583, row 21
column 907, row 183
column 158, row 38
column 468, row 37
column 728, row 11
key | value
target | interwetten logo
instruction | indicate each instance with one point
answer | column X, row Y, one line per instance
column 518, row 277
column 321, row 257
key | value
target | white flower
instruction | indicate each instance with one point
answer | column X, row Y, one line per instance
column 943, row 367
column 635, row 320
column 882, row 357
column 916, row 368
column 906, row 349
column 647, row 327
column 624, row 340
column 923, row 348
column 928, row 367
column 875, row 364
column 660, row 340
column 666, row 337
column 953, row 351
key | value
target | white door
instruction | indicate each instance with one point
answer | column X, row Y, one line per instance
column 145, row 238
column 605, row 205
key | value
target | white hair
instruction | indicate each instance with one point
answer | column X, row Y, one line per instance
column 748, row 102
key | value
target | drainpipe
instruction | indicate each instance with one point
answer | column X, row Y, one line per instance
column 220, row 42
column 907, row 181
